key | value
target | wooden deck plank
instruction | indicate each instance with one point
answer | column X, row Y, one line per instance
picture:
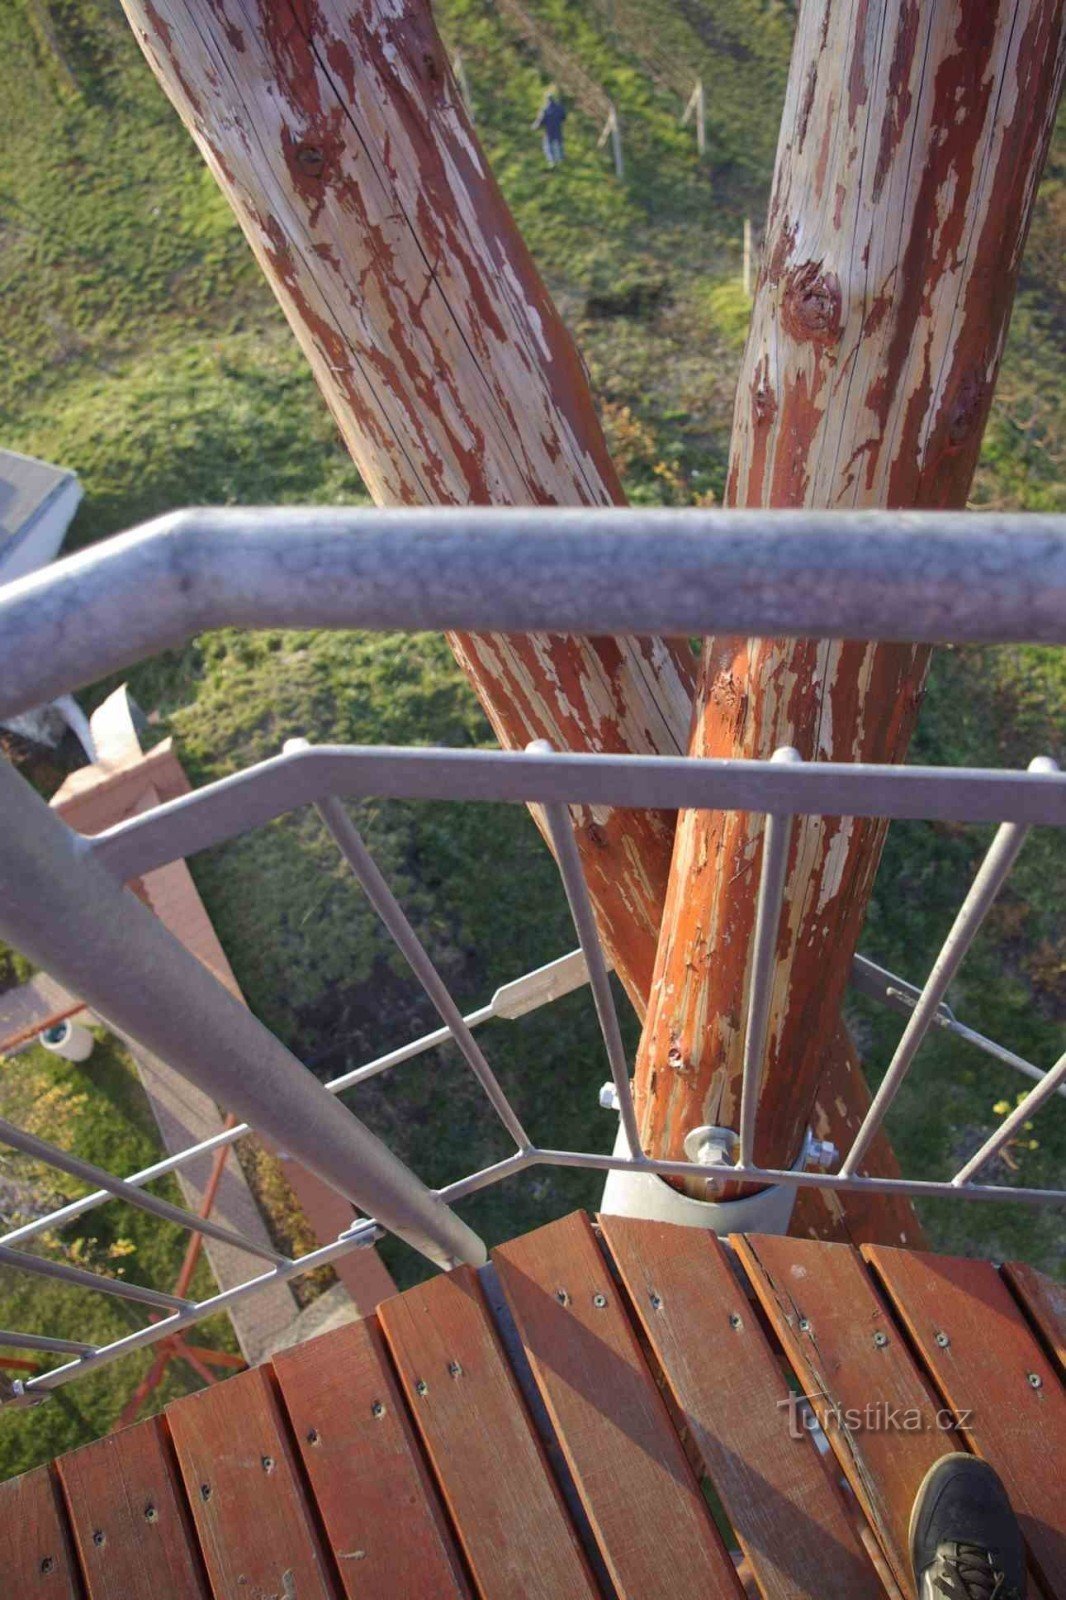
column 641, row 1495
column 729, row 1388
column 130, row 1519
column 243, row 1485
column 854, row 1365
column 489, row 1464
column 37, row 1560
column 1043, row 1300
column 984, row 1360
column 374, row 1492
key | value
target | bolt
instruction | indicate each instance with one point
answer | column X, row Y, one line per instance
column 455, row 1369
column 804, row 1325
column 309, row 159
column 1035, row 1381
column 151, row 1514
column 48, row 1564
column 377, row 1410
column 734, row 1320
column 421, row 1387
column 99, row 1536
column 205, row 1491
column 312, row 1435
column 562, row 1297
column 267, row 1463
column 880, row 1339
column 609, row 1097
column 599, row 1301
column 822, row 1153
column 942, row 1340
column 656, row 1301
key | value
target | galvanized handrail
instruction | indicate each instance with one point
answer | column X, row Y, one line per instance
column 61, row 900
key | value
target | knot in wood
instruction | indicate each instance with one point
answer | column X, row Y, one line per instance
column 811, row 304
column 310, row 159
column 964, row 413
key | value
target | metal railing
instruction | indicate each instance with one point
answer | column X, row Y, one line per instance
column 62, row 900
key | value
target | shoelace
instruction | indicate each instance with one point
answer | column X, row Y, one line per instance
column 968, row 1572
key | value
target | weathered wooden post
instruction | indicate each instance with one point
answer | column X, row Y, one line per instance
column 439, row 352
column 612, row 129
column 912, row 142
column 696, row 107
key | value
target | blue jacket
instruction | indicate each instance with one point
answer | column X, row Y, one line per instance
column 551, row 118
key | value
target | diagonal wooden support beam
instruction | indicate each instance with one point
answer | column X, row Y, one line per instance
column 340, row 138
column 912, row 141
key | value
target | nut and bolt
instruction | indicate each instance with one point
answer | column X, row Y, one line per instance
column 562, row 1297
column 151, row 1514
column 377, row 1410
column 822, row 1153
column 656, row 1301
column 1035, row 1381
column 421, row 1387
column 599, row 1301
column 609, row 1097
column 99, row 1536
column 804, row 1325
column 267, row 1463
column 455, row 1369
column 735, row 1320
column 205, row 1491
column 880, row 1339
column 312, row 1435
column 942, row 1340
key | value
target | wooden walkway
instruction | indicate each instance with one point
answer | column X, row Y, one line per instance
column 605, row 1411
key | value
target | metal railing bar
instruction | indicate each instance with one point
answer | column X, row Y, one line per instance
column 350, row 844
column 877, row 983
column 230, row 806
column 40, row 1341
column 921, row 1187
column 117, row 1188
column 991, row 876
column 924, row 577
column 776, row 840
column 68, row 915
column 521, row 995
column 363, row 1233
column 568, row 860
column 1022, row 1112
column 486, row 1177
column 79, row 1279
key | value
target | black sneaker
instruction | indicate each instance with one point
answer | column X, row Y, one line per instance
column 964, row 1537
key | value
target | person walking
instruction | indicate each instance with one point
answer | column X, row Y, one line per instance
column 550, row 122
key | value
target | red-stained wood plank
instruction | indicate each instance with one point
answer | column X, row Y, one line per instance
column 374, row 1492
column 728, row 1386
column 37, row 1560
column 877, row 1408
column 1043, row 1300
column 490, row 1466
column 129, row 1517
column 641, row 1495
column 243, row 1485
column 986, row 1362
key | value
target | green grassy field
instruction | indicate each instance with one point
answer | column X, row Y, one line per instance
column 140, row 346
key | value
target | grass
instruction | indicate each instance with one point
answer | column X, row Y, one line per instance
column 97, row 1110
column 140, row 346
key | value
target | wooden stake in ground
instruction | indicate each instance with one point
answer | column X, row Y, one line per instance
column 912, row 141
column 339, row 136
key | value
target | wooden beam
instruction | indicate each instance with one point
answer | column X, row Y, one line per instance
column 912, row 141
column 340, row 138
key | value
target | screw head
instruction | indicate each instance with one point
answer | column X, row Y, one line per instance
column 880, row 1339
column 98, row 1536
column 942, row 1340
column 599, row 1301
column 48, row 1564
column 312, row 1436
column 267, row 1463
column 562, row 1297
column 205, row 1491
column 735, row 1320
column 377, row 1410
column 421, row 1387
column 151, row 1514
column 656, row 1301
column 804, row 1325
column 1035, row 1381
column 455, row 1369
